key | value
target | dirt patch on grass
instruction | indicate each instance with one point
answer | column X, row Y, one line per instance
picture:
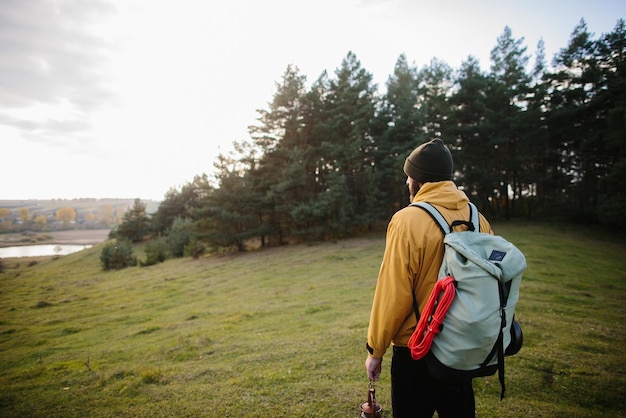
column 86, row 237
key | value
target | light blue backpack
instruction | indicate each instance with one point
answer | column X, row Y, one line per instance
column 479, row 283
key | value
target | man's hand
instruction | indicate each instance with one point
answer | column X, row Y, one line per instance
column 373, row 368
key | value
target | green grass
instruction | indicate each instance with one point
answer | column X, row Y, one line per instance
column 281, row 332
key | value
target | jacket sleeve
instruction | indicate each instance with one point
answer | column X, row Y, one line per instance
column 393, row 298
column 485, row 226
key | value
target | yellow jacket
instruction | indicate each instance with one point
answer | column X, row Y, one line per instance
column 413, row 255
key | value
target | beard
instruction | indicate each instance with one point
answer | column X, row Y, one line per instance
column 414, row 188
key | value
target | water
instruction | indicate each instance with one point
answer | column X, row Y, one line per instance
column 41, row 250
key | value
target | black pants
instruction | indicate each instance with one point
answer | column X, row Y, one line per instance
column 415, row 393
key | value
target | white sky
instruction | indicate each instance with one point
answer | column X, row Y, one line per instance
column 129, row 98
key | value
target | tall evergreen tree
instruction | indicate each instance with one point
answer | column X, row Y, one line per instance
column 434, row 87
column 135, row 224
column 575, row 120
column 179, row 204
column 611, row 104
column 535, row 150
column 507, row 101
column 281, row 178
column 311, row 215
column 347, row 148
column 399, row 125
column 475, row 152
column 226, row 216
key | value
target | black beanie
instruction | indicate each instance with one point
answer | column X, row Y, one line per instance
column 429, row 162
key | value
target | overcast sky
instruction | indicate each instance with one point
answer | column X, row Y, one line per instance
column 129, row 98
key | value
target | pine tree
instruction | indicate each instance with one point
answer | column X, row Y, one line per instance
column 475, row 152
column 282, row 176
column 226, row 216
column 535, row 153
column 507, row 100
column 576, row 121
column 348, row 148
column 610, row 103
column 135, row 224
column 434, row 86
column 178, row 204
column 398, row 125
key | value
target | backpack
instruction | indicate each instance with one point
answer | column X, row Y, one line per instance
column 468, row 319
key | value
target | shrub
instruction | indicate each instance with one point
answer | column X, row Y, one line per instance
column 179, row 236
column 117, row 255
column 157, row 251
column 194, row 249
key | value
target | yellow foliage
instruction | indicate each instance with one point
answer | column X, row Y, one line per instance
column 66, row 215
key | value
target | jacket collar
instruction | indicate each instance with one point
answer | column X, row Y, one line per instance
column 442, row 193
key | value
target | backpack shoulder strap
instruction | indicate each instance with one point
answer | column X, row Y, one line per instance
column 445, row 228
column 474, row 218
column 473, row 223
column 436, row 215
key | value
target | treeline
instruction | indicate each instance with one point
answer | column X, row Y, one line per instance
column 62, row 214
column 529, row 140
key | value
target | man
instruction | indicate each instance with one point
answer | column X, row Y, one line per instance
column 410, row 266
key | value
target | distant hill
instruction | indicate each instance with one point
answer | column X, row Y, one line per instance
column 42, row 214
column 36, row 206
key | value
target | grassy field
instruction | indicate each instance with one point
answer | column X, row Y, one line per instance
column 281, row 332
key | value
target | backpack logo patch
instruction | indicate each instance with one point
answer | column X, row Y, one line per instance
column 497, row 255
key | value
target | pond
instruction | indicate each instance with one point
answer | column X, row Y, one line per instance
column 41, row 250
